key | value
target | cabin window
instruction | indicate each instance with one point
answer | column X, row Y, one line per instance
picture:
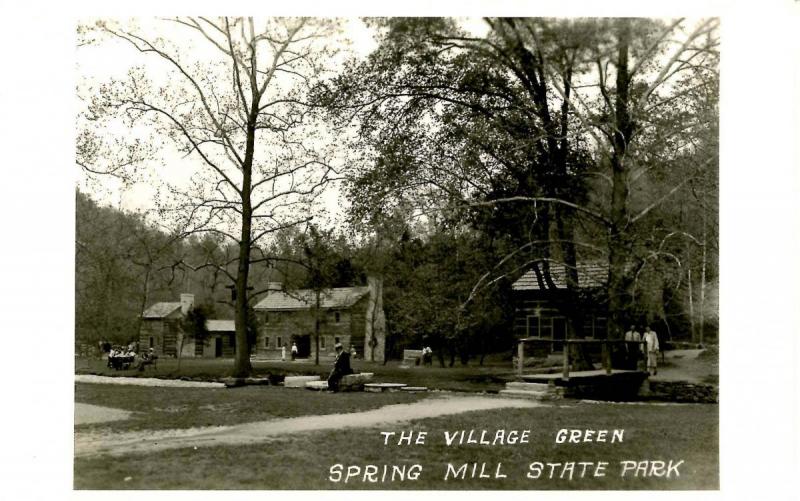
column 266, row 342
column 280, row 342
column 336, row 315
column 588, row 327
column 322, row 342
column 600, row 328
column 266, row 318
column 336, row 340
column 533, row 327
column 546, row 328
column 151, row 342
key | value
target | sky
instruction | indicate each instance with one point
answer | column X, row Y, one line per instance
column 109, row 58
column 112, row 58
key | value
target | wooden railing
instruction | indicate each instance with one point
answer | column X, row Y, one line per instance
column 605, row 353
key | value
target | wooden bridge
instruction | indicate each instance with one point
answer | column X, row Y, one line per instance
column 606, row 382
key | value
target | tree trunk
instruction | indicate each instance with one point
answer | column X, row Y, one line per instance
column 242, row 366
column 619, row 249
column 316, row 328
column 703, row 285
column 564, row 219
column 692, row 328
column 180, row 351
column 145, row 294
column 571, row 306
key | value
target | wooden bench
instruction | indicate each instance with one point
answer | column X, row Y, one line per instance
column 149, row 361
column 411, row 358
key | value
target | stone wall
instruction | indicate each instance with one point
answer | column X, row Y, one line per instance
column 288, row 324
column 681, row 391
column 374, row 326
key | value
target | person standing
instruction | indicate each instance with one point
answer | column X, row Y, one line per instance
column 283, row 354
column 427, row 355
column 341, row 367
column 651, row 345
column 631, row 349
column 294, row 350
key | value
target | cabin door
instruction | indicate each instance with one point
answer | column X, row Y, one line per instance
column 303, row 345
column 218, row 346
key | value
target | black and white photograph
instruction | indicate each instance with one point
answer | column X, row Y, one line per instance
column 346, row 236
column 411, row 252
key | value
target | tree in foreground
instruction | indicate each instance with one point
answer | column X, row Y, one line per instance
column 226, row 93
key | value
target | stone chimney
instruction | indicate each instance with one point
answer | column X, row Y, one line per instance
column 187, row 301
column 375, row 325
column 273, row 287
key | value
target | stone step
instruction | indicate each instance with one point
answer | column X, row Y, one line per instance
column 317, row 385
column 298, row 381
column 532, row 393
column 521, row 385
column 379, row 387
column 535, row 395
column 232, row 382
column 355, row 382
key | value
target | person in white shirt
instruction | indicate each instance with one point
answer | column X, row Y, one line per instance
column 633, row 334
column 427, row 355
column 633, row 350
column 651, row 345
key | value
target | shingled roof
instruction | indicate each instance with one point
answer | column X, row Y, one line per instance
column 161, row 310
column 303, row 299
column 590, row 275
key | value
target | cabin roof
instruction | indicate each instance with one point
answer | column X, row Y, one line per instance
column 590, row 275
column 161, row 310
column 304, row 299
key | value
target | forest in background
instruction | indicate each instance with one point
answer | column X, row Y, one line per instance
column 466, row 159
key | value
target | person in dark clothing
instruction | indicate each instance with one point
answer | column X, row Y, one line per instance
column 341, row 367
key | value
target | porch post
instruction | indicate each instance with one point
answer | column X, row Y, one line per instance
column 520, row 356
column 565, row 372
column 606, row 357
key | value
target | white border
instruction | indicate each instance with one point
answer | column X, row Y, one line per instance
column 759, row 235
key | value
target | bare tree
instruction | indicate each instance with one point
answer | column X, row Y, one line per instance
column 227, row 93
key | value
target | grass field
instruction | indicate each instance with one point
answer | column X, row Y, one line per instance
column 164, row 408
column 302, row 461
column 458, row 378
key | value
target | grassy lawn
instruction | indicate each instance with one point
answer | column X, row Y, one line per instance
column 165, row 408
column 457, row 378
column 678, row 432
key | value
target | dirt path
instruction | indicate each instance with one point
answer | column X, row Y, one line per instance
column 145, row 381
column 88, row 413
column 116, row 444
column 684, row 365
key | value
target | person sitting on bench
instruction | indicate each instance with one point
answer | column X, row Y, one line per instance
column 341, row 367
column 148, row 358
